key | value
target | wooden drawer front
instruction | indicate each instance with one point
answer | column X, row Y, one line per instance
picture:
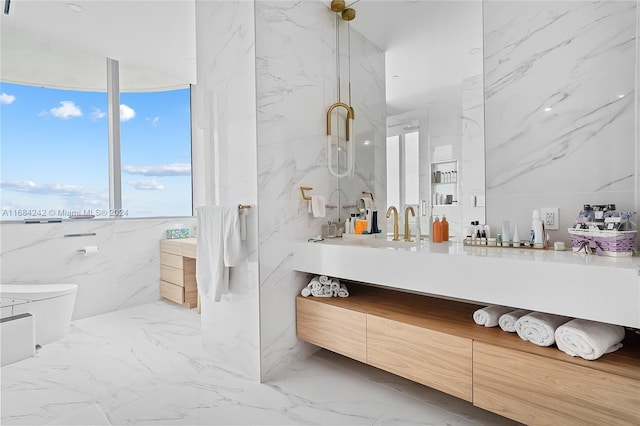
column 172, row 292
column 171, row 246
column 189, row 250
column 172, row 260
column 435, row 359
column 331, row 327
column 540, row 391
column 172, row 275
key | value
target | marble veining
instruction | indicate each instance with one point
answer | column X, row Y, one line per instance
column 560, row 83
column 296, row 83
column 145, row 365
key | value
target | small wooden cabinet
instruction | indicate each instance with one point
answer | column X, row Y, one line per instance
column 178, row 271
column 435, row 342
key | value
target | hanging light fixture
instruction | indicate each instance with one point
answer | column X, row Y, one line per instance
column 347, row 14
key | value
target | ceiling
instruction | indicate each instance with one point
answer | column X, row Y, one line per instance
column 429, row 44
column 154, row 41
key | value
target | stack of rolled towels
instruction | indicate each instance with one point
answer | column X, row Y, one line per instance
column 576, row 337
column 324, row 286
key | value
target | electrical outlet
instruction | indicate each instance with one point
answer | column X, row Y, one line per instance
column 550, row 218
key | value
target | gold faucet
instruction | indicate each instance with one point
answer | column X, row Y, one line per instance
column 407, row 232
column 395, row 222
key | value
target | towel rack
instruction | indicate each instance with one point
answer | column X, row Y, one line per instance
column 305, row 196
column 243, row 206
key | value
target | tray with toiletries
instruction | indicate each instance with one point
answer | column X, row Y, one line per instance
column 600, row 229
column 494, row 243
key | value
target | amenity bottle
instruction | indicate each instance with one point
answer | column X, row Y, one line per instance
column 445, row 228
column 436, row 232
column 538, row 230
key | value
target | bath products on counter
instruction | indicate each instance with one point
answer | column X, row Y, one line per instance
column 516, row 236
column 537, row 229
column 445, row 228
column 506, row 233
column 436, row 232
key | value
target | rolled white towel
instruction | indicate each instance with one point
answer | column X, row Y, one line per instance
column 335, row 286
column 343, row 292
column 489, row 315
column 539, row 328
column 306, row 292
column 323, row 279
column 320, row 292
column 507, row 321
column 588, row 339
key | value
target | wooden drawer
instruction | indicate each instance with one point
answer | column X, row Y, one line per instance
column 171, row 246
column 172, row 275
column 172, row 292
column 331, row 327
column 435, row 359
column 172, row 260
column 536, row 390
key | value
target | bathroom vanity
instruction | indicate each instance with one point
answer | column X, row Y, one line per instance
column 434, row 340
column 178, row 271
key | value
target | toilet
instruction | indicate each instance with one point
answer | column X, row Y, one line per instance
column 51, row 306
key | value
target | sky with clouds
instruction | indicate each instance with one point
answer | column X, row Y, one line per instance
column 54, row 151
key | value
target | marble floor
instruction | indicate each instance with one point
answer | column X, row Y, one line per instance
column 145, row 366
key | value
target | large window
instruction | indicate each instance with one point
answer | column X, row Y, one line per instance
column 55, row 153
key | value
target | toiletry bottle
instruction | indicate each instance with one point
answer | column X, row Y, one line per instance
column 538, row 230
column 506, row 233
column 436, row 233
column 516, row 236
column 445, row 228
column 483, row 238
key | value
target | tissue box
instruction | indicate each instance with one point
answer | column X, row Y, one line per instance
column 173, row 234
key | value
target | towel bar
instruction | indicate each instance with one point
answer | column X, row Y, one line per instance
column 305, row 196
column 243, row 206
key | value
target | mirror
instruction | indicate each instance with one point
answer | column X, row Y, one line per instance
column 434, row 98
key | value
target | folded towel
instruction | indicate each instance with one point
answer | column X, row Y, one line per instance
column 539, row 328
column 343, row 292
column 489, row 315
column 588, row 339
column 306, row 292
column 507, row 321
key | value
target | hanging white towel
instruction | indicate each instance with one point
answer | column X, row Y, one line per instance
column 588, row 339
column 318, row 206
column 219, row 247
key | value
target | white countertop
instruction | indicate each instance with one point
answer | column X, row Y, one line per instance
column 579, row 285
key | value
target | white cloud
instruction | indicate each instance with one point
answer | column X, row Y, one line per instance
column 126, row 112
column 97, row 114
column 175, row 169
column 67, row 110
column 154, row 121
column 6, row 99
column 45, row 188
column 146, row 185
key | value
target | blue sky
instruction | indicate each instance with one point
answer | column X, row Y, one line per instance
column 54, row 150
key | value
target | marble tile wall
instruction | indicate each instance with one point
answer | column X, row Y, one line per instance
column 124, row 273
column 561, row 108
column 295, row 55
column 472, row 167
column 224, row 114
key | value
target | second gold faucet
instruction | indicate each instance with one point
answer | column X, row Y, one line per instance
column 407, row 231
